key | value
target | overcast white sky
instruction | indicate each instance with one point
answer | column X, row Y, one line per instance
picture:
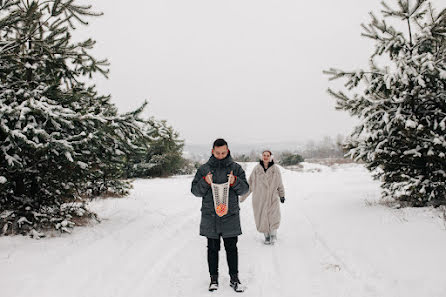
column 246, row 70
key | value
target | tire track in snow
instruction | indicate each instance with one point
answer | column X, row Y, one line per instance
column 323, row 243
column 357, row 284
column 160, row 253
column 135, row 237
column 293, row 260
column 263, row 274
column 361, row 285
column 145, row 246
column 277, row 270
column 79, row 254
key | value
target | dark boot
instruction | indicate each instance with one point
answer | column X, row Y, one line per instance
column 267, row 238
column 236, row 284
column 273, row 239
column 214, row 283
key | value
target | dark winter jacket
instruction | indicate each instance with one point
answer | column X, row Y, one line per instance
column 211, row 224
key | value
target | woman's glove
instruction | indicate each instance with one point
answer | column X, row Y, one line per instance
column 282, row 199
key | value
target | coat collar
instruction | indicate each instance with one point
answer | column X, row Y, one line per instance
column 269, row 165
column 214, row 162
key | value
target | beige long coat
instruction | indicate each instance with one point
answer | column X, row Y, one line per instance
column 266, row 188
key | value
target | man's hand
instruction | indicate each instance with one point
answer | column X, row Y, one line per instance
column 232, row 178
column 208, row 178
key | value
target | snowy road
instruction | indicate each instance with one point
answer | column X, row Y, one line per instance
column 331, row 243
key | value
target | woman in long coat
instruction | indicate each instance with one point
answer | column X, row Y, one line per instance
column 265, row 184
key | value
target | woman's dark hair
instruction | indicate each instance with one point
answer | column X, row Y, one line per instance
column 268, row 152
column 220, row 142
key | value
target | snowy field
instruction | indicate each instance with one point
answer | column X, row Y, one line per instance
column 334, row 241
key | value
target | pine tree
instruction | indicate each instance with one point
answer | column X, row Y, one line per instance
column 402, row 104
column 57, row 135
column 290, row 159
column 160, row 154
column 166, row 150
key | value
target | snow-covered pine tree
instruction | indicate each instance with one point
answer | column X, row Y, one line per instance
column 56, row 133
column 166, row 150
column 162, row 153
column 402, row 103
column 120, row 137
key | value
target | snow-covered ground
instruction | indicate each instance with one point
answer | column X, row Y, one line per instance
column 334, row 241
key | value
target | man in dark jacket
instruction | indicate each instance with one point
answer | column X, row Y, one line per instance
column 218, row 170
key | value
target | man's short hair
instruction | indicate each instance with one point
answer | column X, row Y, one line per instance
column 219, row 142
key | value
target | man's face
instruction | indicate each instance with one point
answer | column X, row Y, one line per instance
column 220, row 152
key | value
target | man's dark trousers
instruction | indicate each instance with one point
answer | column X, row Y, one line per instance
column 231, row 254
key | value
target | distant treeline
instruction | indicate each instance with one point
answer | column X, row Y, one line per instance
column 328, row 147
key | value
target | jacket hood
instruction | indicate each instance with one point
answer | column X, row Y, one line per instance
column 214, row 162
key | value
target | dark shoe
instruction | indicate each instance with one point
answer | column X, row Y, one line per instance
column 267, row 239
column 214, row 283
column 236, row 284
column 273, row 239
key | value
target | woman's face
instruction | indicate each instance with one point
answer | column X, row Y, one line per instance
column 266, row 156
